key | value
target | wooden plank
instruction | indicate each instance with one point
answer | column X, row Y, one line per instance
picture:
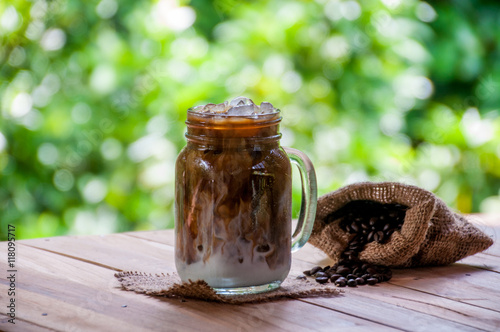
column 444, row 279
column 106, row 251
column 488, row 223
column 394, row 303
column 459, row 282
column 392, row 311
column 454, row 281
column 314, row 256
column 164, row 236
column 20, row 325
column 483, row 261
column 86, row 285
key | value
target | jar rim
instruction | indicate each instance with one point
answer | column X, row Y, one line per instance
column 226, row 116
column 221, row 122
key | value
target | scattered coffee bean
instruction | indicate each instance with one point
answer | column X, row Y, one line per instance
column 352, row 283
column 315, row 270
column 322, row 280
column 301, row 276
column 334, row 277
column 360, row 281
column 340, row 282
column 372, row 281
column 307, row 272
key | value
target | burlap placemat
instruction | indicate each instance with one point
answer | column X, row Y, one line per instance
column 170, row 285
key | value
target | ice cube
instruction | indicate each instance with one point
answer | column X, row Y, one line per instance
column 221, row 108
column 198, row 109
column 239, row 101
column 242, row 110
column 209, row 108
column 266, row 107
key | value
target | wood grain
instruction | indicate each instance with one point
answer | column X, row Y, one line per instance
column 78, row 294
column 71, row 280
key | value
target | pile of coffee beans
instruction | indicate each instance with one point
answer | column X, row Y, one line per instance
column 367, row 221
column 349, row 273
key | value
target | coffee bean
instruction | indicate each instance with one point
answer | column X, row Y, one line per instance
column 320, row 274
column 357, row 270
column 340, row 282
column 369, row 238
column 307, row 272
column 366, row 276
column 371, row 270
column 360, row 281
column 372, row 281
column 386, row 227
column 350, row 276
column 355, row 227
column 380, row 236
column 376, row 237
column 322, row 280
column 326, row 268
column 344, row 262
column 334, row 277
column 343, row 270
column 352, row 283
column 315, row 270
column 301, row 277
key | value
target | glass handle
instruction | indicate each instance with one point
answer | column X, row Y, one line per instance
column 307, row 213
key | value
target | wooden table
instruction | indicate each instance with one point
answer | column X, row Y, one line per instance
column 67, row 284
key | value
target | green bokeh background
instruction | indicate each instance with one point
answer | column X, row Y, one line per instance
column 94, row 96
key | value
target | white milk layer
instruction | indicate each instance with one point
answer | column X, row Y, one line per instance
column 219, row 273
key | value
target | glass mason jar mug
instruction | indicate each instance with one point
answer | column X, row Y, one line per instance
column 233, row 195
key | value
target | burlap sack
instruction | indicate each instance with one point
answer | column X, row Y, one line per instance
column 431, row 234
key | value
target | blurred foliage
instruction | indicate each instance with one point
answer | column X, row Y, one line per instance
column 94, row 94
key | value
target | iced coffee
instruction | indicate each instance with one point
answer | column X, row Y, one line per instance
column 233, row 197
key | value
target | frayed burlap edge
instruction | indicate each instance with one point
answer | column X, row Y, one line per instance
column 170, row 285
column 432, row 234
